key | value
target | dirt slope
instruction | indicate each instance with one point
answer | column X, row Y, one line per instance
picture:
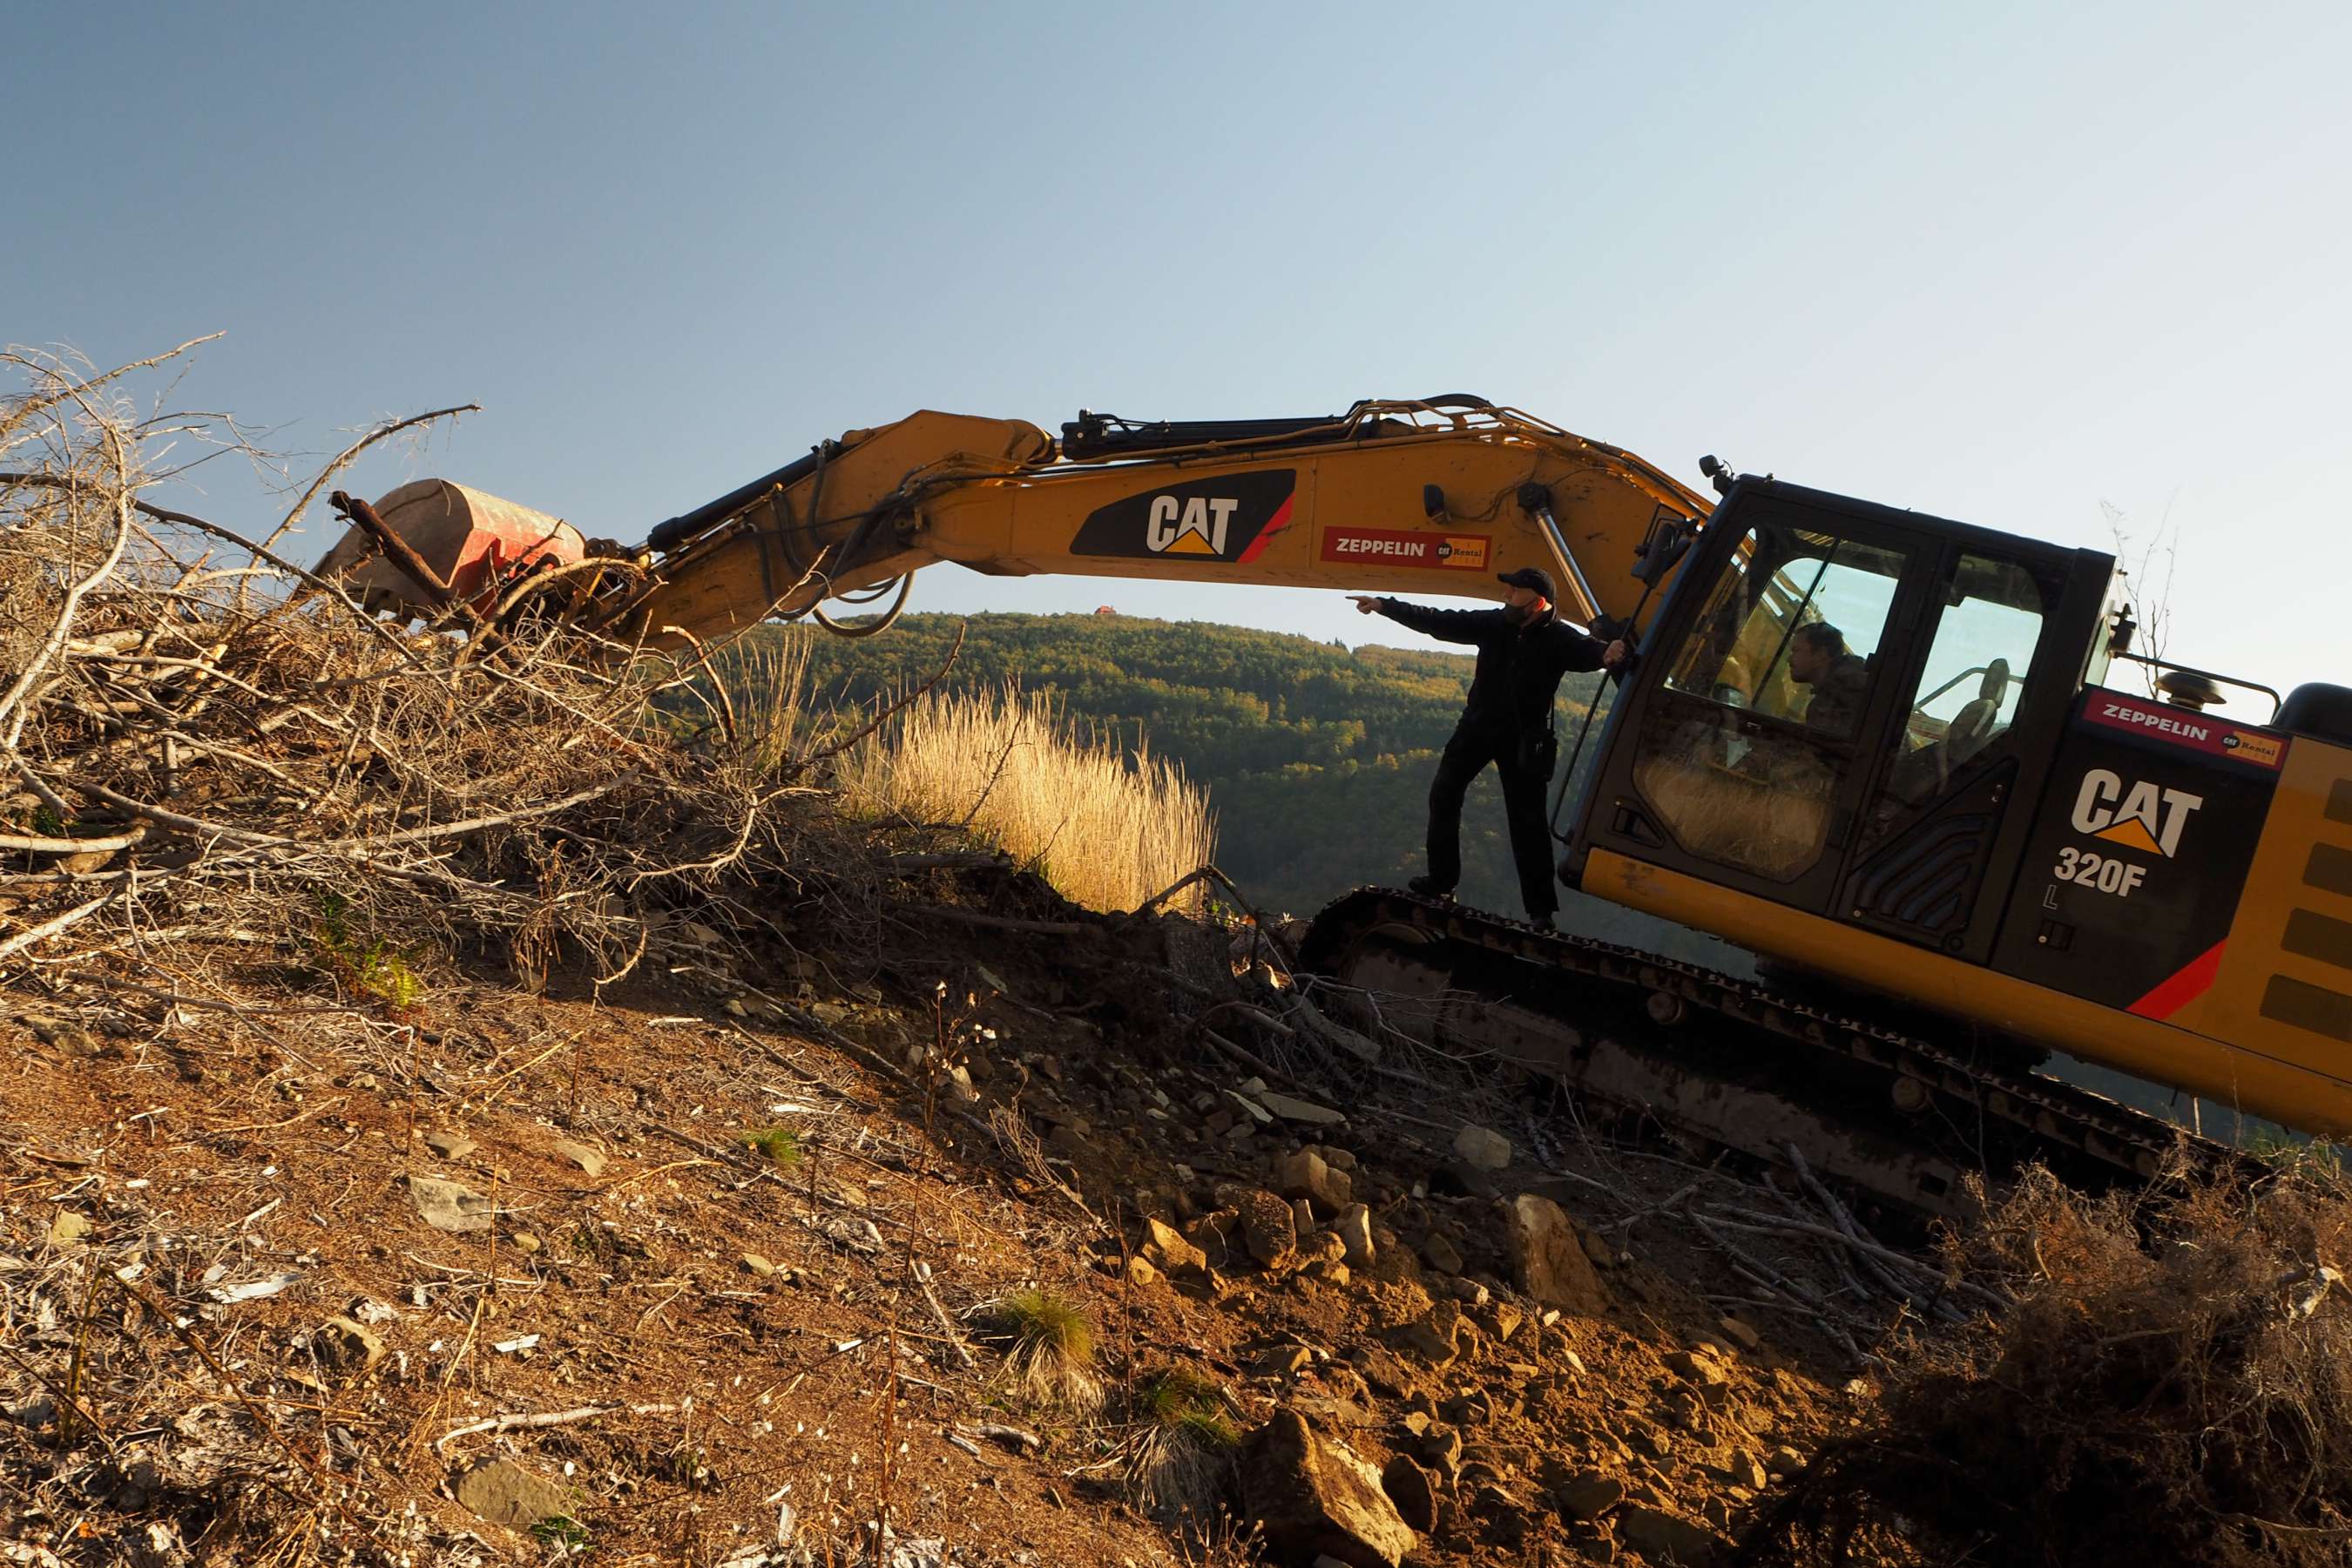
column 622, row 1331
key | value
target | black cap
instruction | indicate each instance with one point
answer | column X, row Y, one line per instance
column 1534, row 577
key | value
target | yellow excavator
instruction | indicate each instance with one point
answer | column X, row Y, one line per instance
column 1983, row 852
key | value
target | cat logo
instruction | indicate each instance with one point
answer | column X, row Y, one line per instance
column 2138, row 816
column 1193, row 526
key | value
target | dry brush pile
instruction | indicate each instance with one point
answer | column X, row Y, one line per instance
column 2171, row 1382
column 204, row 750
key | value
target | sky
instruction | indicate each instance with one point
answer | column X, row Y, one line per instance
column 2028, row 266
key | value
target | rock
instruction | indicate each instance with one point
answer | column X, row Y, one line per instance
column 1285, row 1361
column 1175, row 1254
column 1435, row 1336
column 1588, row 1494
column 756, row 1265
column 1663, row 1538
column 67, row 1229
column 446, row 1205
column 1503, row 1320
column 1414, row 1492
column 589, row 1160
column 1548, row 1262
column 348, row 1346
column 1139, row 1271
column 1338, row 1159
column 1742, row 1335
column 735, row 1008
column 1702, row 1372
column 1304, row 1111
column 1308, row 1494
column 1596, row 1248
column 1743, row 1469
column 1305, row 1174
column 1302, row 1222
column 1442, row 1447
column 449, row 1145
column 1482, row 1148
column 1268, row 1232
column 1784, row 1462
column 525, row 1242
column 697, row 933
column 1441, row 1255
column 1354, row 1228
column 1259, row 1114
column 504, row 1493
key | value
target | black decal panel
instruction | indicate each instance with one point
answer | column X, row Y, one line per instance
column 1230, row 518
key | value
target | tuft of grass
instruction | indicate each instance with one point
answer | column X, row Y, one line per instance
column 1049, row 1350
column 779, row 1145
column 1184, row 1456
column 561, row 1531
column 369, row 964
column 1108, row 828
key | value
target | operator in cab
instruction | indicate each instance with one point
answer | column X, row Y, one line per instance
column 1838, row 678
column 1524, row 649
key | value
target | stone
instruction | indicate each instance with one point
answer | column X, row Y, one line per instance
column 1743, row 1469
column 1596, row 1248
column 348, row 1346
column 1174, row 1254
column 1304, row 1111
column 1338, row 1159
column 1663, row 1538
column 1441, row 1445
column 526, row 1242
column 1285, row 1361
column 1354, row 1228
column 1784, row 1462
column 1435, row 1336
column 592, row 1161
column 1414, row 1492
column 449, row 1145
column 67, row 1229
column 1588, row 1494
column 1482, row 1148
column 1442, row 1255
column 1741, row 1334
column 756, row 1265
column 446, row 1205
column 1306, row 1175
column 1259, row 1114
column 697, row 933
column 1302, row 1222
column 1704, row 1373
column 1309, row 1495
column 1268, row 1232
column 1139, row 1271
column 1503, row 1320
column 1548, row 1262
column 504, row 1493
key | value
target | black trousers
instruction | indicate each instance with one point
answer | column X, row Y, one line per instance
column 1469, row 751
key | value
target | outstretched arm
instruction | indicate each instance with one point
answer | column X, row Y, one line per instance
column 1446, row 626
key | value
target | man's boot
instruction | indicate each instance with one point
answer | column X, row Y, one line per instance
column 1430, row 887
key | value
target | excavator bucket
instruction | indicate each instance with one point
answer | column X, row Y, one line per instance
column 477, row 542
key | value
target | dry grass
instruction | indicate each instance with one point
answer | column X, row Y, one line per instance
column 1107, row 830
column 2173, row 1385
column 1049, row 1351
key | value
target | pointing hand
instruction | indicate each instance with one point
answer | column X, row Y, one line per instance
column 1366, row 603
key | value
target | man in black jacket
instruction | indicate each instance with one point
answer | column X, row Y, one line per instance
column 1524, row 649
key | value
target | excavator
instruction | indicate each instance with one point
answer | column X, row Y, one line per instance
column 1988, row 850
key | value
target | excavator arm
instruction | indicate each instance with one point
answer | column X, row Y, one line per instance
column 1431, row 497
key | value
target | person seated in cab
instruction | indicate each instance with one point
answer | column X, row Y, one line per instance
column 1838, row 678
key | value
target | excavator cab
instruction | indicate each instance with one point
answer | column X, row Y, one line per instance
column 1840, row 708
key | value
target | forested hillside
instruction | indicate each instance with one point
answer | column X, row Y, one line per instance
column 1317, row 759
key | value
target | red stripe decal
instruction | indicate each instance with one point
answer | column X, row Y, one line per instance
column 2194, row 979
column 1274, row 525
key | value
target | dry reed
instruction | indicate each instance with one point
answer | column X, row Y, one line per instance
column 1106, row 828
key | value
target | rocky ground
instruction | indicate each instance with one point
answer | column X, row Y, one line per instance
column 707, row 1273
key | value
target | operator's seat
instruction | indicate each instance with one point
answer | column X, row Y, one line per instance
column 1979, row 721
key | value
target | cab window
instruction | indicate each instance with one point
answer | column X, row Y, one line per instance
column 1773, row 679
column 1988, row 627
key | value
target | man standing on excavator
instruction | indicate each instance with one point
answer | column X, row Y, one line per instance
column 1524, row 649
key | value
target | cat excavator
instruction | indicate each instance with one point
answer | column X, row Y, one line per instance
column 1988, row 850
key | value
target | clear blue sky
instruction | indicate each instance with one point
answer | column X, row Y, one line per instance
column 1999, row 262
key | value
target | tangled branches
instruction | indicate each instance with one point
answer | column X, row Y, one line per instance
column 203, row 753
column 2173, row 1383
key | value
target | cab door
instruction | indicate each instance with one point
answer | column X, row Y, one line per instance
column 1749, row 750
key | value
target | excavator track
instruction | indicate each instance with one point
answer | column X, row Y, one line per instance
column 1704, row 1054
